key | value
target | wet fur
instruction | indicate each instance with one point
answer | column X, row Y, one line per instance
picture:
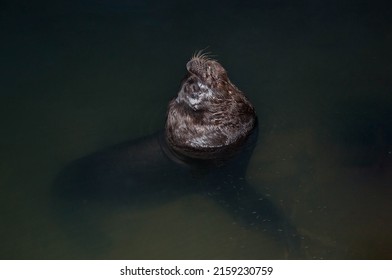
column 209, row 111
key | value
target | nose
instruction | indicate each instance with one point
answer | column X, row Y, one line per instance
column 189, row 65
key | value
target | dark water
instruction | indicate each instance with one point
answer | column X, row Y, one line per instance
column 77, row 76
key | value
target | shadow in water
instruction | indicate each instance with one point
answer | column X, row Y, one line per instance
column 144, row 172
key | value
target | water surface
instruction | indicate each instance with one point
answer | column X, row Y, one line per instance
column 78, row 76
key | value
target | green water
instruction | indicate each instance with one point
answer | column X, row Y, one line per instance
column 78, row 76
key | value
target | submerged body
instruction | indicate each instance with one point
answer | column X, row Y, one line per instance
column 210, row 134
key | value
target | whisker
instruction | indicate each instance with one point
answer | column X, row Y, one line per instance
column 201, row 54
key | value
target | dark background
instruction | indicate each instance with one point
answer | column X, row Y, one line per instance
column 77, row 76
